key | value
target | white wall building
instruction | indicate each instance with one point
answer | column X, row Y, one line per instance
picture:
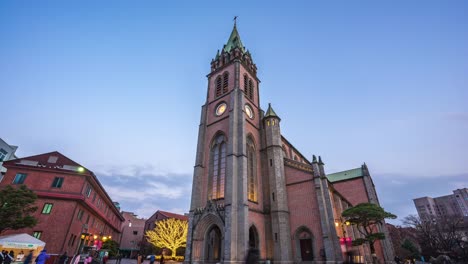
column 7, row 152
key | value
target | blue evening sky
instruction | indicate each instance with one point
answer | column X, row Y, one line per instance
column 118, row 87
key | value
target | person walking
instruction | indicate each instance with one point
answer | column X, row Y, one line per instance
column 161, row 261
column 28, row 258
column 252, row 256
column 88, row 259
column 9, row 257
column 63, row 258
column 152, row 258
column 43, row 257
column 20, row 256
column 2, row 256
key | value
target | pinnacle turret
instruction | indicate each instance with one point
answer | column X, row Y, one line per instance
column 271, row 113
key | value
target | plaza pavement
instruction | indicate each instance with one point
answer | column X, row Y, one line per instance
column 134, row 261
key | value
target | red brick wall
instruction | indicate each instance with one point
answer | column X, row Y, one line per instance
column 355, row 192
column 303, row 206
column 58, row 226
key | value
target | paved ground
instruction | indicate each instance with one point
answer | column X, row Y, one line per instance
column 133, row 261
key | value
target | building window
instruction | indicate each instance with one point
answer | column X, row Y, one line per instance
column 58, row 181
column 3, row 154
column 225, row 82
column 88, row 190
column 47, row 208
column 79, row 216
column 246, row 84
column 217, row 168
column 218, row 86
column 19, row 178
column 251, row 171
column 250, row 95
column 37, row 234
column 135, row 232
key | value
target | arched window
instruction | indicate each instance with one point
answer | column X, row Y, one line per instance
column 217, row 167
column 246, row 84
column 285, row 155
column 218, row 86
column 250, row 95
column 251, row 171
column 225, row 82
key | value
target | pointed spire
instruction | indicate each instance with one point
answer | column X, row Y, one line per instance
column 314, row 159
column 320, row 161
column 217, row 55
column 234, row 40
column 271, row 113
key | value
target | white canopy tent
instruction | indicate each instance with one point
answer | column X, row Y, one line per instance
column 21, row 241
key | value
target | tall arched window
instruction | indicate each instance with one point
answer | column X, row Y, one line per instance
column 225, row 82
column 246, row 84
column 251, row 171
column 218, row 86
column 250, row 95
column 217, row 167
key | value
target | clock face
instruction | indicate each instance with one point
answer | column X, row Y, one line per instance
column 248, row 111
column 221, row 109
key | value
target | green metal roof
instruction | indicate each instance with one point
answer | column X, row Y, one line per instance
column 234, row 41
column 345, row 175
column 270, row 112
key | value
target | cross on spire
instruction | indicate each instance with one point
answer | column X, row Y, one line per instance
column 235, row 20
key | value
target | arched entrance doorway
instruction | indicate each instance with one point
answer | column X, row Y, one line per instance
column 304, row 244
column 253, row 237
column 213, row 245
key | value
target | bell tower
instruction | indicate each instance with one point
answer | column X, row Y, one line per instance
column 226, row 180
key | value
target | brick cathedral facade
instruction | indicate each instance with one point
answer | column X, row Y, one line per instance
column 253, row 189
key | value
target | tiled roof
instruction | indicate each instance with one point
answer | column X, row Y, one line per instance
column 51, row 160
column 345, row 175
column 172, row 215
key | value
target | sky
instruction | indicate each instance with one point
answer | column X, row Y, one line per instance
column 118, row 87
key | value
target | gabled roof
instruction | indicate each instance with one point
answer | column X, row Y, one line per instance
column 234, row 41
column 172, row 215
column 51, row 160
column 345, row 175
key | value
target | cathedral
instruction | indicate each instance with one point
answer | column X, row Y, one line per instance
column 253, row 191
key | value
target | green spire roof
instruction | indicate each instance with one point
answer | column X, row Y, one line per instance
column 234, row 41
column 270, row 112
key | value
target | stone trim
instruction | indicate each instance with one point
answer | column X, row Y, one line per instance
column 298, row 165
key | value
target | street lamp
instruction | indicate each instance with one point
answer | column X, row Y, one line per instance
column 345, row 241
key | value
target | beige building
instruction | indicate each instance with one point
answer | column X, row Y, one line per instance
column 132, row 234
column 452, row 205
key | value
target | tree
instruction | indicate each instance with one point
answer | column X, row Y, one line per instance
column 112, row 246
column 16, row 208
column 412, row 252
column 441, row 236
column 366, row 217
column 170, row 233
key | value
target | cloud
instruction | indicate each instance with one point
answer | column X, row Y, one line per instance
column 144, row 193
column 461, row 117
column 130, row 170
column 396, row 193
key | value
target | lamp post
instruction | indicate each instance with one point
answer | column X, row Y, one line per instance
column 344, row 240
